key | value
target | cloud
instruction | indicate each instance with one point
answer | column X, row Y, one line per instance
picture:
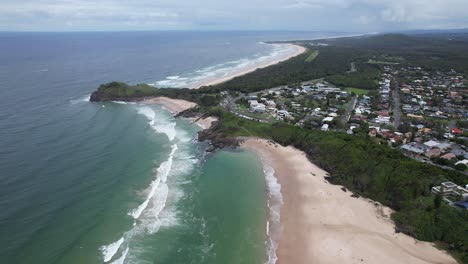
column 336, row 15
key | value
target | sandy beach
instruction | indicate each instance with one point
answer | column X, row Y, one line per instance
column 176, row 106
column 296, row 50
column 321, row 223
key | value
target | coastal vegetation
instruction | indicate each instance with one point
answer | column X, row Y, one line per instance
column 118, row 91
column 357, row 91
column 374, row 171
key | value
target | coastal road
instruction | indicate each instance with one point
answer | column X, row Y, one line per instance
column 396, row 104
column 349, row 108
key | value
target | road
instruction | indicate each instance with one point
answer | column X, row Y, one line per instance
column 396, row 104
column 349, row 108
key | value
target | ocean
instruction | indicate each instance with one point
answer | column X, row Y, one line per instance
column 117, row 182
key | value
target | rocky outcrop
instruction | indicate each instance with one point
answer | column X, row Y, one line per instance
column 216, row 139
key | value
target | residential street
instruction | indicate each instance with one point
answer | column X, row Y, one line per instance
column 349, row 108
column 396, row 105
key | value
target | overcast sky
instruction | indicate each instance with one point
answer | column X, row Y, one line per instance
column 324, row 15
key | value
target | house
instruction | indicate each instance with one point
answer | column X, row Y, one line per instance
column 414, row 149
column 431, row 143
column 260, row 108
column 457, row 131
column 457, row 150
column 449, row 156
column 444, row 146
column 453, row 194
column 373, row 132
column 252, row 102
column 325, row 127
column 271, row 103
column 433, row 153
column 444, row 189
column 327, row 119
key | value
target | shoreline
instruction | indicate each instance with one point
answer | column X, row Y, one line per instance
column 248, row 69
column 175, row 106
column 321, row 223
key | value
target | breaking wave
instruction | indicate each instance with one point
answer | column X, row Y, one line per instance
column 162, row 173
column 110, row 250
column 275, row 201
column 163, row 125
column 160, row 196
column 83, row 99
column 225, row 69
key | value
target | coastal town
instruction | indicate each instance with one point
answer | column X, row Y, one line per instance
column 423, row 114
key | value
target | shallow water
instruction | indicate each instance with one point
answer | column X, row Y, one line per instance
column 85, row 182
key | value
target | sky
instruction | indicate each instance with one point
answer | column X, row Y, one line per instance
column 314, row 15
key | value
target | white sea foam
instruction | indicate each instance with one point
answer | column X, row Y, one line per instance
column 120, row 102
column 162, row 125
column 83, row 99
column 137, row 212
column 158, row 210
column 227, row 68
column 122, row 257
column 275, row 201
column 110, row 250
column 162, row 172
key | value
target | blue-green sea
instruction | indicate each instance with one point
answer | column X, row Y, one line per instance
column 115, row 182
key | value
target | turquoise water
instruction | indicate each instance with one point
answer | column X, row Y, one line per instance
column 208, row 209
column 85, row 182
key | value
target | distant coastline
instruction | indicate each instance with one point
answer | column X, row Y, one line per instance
column 295, row 50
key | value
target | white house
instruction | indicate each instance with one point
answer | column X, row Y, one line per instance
column 259, row 108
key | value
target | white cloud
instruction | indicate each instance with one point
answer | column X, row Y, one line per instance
column 338, row 15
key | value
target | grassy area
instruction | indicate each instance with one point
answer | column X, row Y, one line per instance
column 233, row 125
column 383, row 62
column 357, row 91
column 313, row 54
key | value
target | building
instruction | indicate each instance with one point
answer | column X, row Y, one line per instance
column 414, row 149
column 449, row 156
column 453, row 194
column 444, row 189
column 259, row 108
column 325, row 127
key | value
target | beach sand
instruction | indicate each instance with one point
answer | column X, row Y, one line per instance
column 297, row 50
column 321, row 223
column 176, row 106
